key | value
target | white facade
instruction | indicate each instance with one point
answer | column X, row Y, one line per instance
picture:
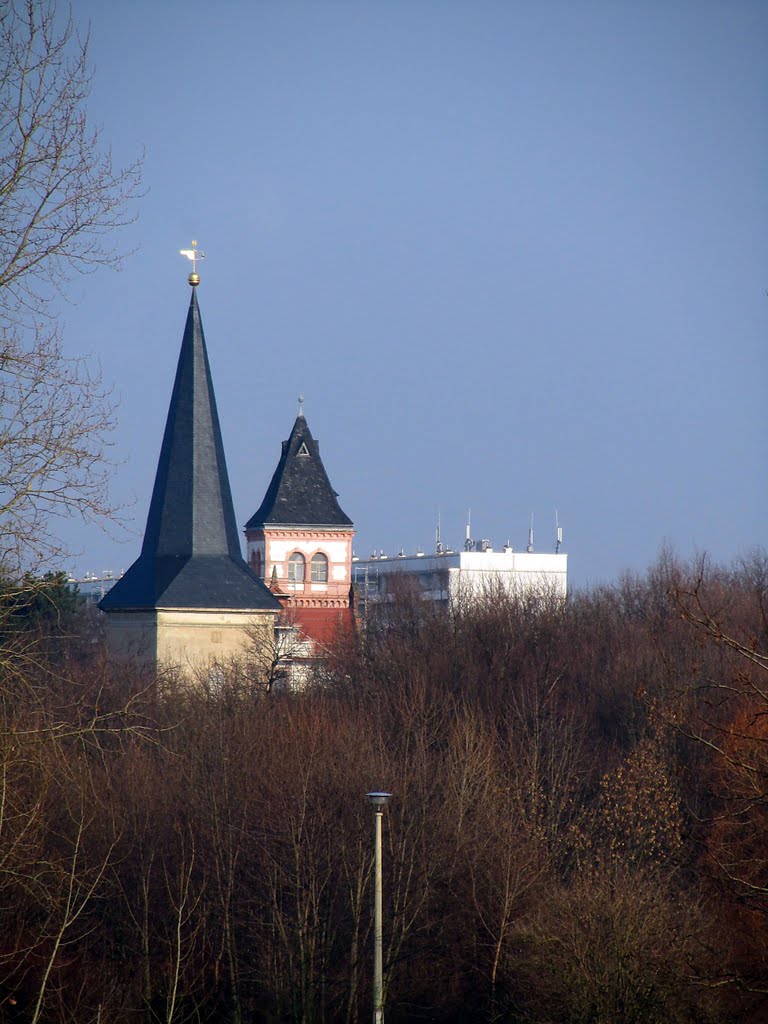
column 273, row 552
column 455, row 575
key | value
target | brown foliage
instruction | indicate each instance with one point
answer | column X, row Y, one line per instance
column 559, row 847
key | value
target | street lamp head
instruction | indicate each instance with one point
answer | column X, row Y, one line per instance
column 379, row 799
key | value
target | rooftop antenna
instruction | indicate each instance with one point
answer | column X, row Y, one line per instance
column 530, row 535
column 468, row 542
column 558, row 533
column 438, row 542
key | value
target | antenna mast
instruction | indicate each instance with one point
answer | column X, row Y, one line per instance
column 469, row 544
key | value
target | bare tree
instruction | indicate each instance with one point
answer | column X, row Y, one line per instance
column 724, row 707
column 279, row 655
column 61, row 199
column 60, row 195
column 54, row 414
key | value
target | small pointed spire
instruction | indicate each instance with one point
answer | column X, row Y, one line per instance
column 300, row 493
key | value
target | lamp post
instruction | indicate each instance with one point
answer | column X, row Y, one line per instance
column 379, row 802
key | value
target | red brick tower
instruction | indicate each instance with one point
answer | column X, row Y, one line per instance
column 300, row 541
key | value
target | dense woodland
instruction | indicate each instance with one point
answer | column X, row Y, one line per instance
column 577, row 834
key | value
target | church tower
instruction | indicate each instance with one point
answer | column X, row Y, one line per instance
column 189, row 597
column 300, row 541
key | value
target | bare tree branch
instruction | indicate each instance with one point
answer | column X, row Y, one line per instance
column 61, row 199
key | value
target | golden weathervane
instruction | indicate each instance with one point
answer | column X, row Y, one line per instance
column 194, row 255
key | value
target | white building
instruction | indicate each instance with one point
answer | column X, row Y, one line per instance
column 459, row 575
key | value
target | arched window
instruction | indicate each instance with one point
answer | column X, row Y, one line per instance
column 319, row 568
column 296, row 565
column 256, row 563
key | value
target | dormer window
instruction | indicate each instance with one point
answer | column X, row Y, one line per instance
column 296, row 567
column 319, row 568
column 303, row 450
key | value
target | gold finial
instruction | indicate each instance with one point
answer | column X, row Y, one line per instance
column 194, row 255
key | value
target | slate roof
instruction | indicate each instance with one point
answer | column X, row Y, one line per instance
column 300, row 493
column 191, row 555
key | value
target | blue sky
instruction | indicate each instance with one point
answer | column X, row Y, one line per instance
column 514, row 255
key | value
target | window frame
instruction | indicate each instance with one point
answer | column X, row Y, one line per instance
column 319, row 560
column 295, row 560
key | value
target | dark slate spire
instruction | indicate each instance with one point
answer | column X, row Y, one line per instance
column 300, row 493
column 191, row 556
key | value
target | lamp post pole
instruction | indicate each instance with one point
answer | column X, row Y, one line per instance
column 379, row 802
